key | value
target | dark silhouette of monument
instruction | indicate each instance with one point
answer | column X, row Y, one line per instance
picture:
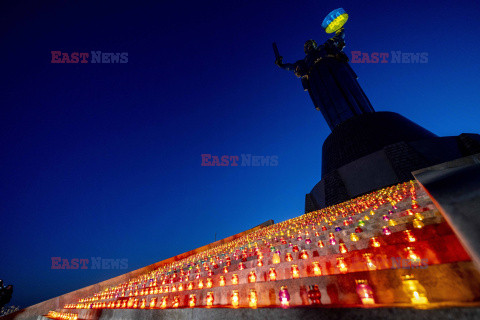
column 5, row 294
column 330, row 81
column 366, row 150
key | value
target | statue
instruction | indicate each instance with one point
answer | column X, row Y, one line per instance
column 329, row 79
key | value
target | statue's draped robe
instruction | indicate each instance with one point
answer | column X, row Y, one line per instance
column 331, row 82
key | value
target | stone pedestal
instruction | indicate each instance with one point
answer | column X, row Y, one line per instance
column 375, row 150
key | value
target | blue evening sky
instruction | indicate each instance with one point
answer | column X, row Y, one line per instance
column 104, row 160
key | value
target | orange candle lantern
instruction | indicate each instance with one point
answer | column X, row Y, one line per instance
column 295, row 271
column 235, row 298
column 222, row 281
column 209, row 283
column 252, row 277
column 234, row 279
column 192, row 300
column 417, row 224
column 342, row 247
column 354, row 237
column 410, row 236
column 200, row 284
column 275, row 258
column 369, row 262
column 411, row 254
column 304, row 254
column 374, row 242
column 341, row 265
column 252, row 298
column 176, row 301
column 272, row 274
column 153, row 302
column 288, row 256
column 210, row 299
column 316, row 268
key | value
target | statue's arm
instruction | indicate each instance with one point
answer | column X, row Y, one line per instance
column 296, row 67
column 285, row 66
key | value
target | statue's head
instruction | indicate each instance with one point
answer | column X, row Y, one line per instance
column 309, row 46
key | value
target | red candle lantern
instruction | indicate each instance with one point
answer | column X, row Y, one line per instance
column 314, row 295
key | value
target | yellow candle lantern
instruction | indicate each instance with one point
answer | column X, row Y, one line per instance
column 414, row 290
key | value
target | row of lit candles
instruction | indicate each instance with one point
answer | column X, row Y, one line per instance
column 414, row 290
column 385, row 229
column 275, row 260
column 272, row 275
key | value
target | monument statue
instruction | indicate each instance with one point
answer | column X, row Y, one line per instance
column 327, row 76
